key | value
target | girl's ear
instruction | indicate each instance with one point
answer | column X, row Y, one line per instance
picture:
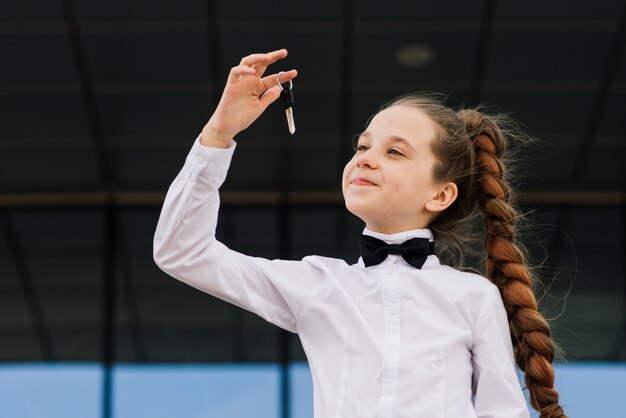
column 444, row 198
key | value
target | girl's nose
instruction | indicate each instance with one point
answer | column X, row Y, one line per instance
column 366, row 158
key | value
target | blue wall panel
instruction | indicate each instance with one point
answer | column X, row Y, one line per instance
column 37, row 390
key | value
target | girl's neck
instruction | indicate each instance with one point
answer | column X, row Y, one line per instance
column 401, row 236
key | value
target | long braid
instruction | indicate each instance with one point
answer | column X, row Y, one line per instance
column 506, row 266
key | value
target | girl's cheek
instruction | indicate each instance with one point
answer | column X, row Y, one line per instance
column 346, row 172
column 349, row 167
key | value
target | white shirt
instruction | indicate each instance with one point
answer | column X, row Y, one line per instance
column 385, row 341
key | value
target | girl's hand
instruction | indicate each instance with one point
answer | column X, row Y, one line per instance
column 245, row 97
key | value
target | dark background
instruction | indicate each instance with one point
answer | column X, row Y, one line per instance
column 100, row 102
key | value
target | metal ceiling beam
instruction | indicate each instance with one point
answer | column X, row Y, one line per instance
column 213, row 49
column 346, row 89
column 621, row 349
column 109, row 208
column 596, row 115
column 482, row 51
column 87, row 94
column 136, row 332
column 27, row 286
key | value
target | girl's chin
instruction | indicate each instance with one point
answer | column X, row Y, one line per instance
column 357, row 209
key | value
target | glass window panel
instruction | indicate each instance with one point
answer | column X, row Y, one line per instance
column 45, row 390
column 209, row 391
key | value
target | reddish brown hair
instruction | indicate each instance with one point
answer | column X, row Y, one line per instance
column 471, row 151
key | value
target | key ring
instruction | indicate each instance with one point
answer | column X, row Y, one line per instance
column 280, row 85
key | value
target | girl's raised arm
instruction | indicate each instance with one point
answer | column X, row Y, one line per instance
column 185, row 245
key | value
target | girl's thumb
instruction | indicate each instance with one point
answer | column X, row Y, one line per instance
column 270, row 95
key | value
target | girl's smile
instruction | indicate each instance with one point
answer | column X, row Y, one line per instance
column 361, row 181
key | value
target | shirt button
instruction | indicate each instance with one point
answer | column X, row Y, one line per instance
column 389, row 271
column 199, row 159
column 388, row 390
column 392, row 311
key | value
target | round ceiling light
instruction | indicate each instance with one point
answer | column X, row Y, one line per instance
column 414, row 55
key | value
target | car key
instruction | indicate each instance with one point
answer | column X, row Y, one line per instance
column 287, row 100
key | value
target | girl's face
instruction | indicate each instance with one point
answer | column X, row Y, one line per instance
column 388, row 182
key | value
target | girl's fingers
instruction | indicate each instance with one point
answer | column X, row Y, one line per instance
column 263, row 59
column 269, row 96
column 272, row 79
column 256, row 64
column 242, row 70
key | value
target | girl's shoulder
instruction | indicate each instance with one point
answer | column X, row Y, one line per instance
column 466, row 280
column 327, row 262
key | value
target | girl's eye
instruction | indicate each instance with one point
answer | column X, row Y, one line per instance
column 361, row 147
column 395, row 152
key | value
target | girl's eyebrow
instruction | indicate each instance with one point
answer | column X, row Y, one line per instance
column 393, row 138
column 402, row 141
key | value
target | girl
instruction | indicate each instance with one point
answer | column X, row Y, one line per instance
column 397, row 334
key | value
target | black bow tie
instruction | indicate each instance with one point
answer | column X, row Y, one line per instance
column 414, row 251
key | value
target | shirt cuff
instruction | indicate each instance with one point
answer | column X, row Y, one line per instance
column 209, row 163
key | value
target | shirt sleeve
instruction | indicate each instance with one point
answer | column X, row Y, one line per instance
column 495, row 383
column 185, row 247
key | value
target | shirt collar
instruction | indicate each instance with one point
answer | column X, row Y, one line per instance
column 400, row 237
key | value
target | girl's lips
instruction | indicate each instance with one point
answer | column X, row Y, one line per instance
column 362, row 182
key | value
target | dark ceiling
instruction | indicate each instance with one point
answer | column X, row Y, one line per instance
column 127, row 85
column 100, row 102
